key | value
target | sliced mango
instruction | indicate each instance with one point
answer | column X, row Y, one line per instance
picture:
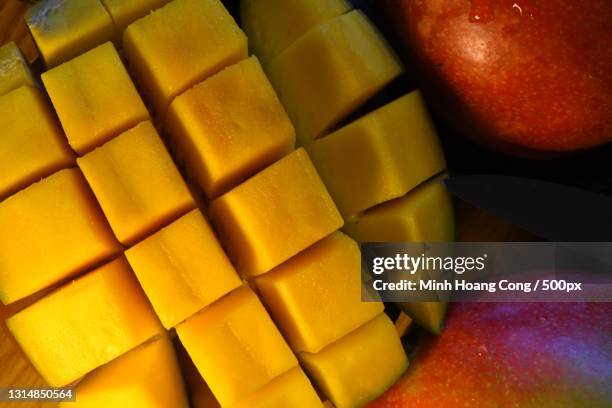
column 94, row 97
column 49, row 231
column 315, row 297
column 182, row 268
column 85, row 323
column 14, row 69
column 145, row 377
column 330, row 71
column 359, row 367
column 291, row 389
column 236, row 346
column 379, row 157
column 125, row 12
column 428, row 315
column 181, row 44
column 273, row 25
column 136, row 183
column 64, row 29
column 275, row 214
column 32, row 145
column 230, row 126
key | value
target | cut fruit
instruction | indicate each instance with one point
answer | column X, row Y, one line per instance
column 181, row 44
column 125, row 12
column 235, row 346
column 48, row 232
column 359, row 367
column 379, row 157
column 14, row 69
column 32, row 145
column 330, row 71
column 428, row 315
column 136, row 182
column 291, row 389
column 273, row 25
column 182, row 268
column 85, row 324
column 315, row 297
column 64, row 29
column 94, row 97
column 145, row 377
column 275, row 214
column 230, row 126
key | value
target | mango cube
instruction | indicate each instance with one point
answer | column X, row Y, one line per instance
column 145, row 377
column 315, row 297
column 359, row 367
column 275, row 214
column 125, row 12
column 94, row 97
column 181, row 44
column 330, row 71
column 85, row 323
column 182, row 268
column 291, row 389
column 273, row 25
column 48, row 232
column 136, row 183
column 235, row 346
column 14, row 69
column 64, row 29
column 32, row 145
column 428, row 315
column 230, row 126
column 379, row 157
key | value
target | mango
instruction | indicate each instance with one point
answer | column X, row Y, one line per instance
column 230, row 126
column 236, row 346
column 330, row 71
column 182, row 268
column 428, row 315
column 273, row 25
column 380, row 156
column 85, row 324
column 291, row 389
column 359, row 367
column 14, row 69
column 32, row 145
column 275, row 214
column 125, row 12
column 64, row 29
column 136, row 183
column 94, row 97
column 315, row 297
column 48, row 232
column 145, row 377
column 181, row 44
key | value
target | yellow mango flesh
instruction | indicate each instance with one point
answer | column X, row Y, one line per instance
column 379, row 157
column 315, row 297
column 230, row 126
column 136, row 183
column 291, row 389
column 64, row 29
column 236, row 346
column 330, row 71
column 32, row 145
column 273, row 25
column 275, row 214
column 125, row 12
column 14, row 69
column 429, row 315
column 182, row 268
column 359, row 367
column 49, row 231
column 94, row 97
column 181, row 44
column 145, row 377
column 84, row 324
